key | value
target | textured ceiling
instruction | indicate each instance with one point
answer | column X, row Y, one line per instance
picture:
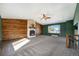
column 59, row 12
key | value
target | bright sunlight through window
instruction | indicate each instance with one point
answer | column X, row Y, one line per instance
column 18, row 44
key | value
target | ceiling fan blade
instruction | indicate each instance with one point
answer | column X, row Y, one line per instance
column 48, row 17
column 45, row 17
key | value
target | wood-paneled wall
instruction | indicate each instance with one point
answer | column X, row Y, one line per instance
column 14, row 28
column 39, row 29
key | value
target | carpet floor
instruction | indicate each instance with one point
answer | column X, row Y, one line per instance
column 44, row 46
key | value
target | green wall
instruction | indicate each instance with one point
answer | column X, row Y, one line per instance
column 65, row 27
column 69, row 27
column 45, row 30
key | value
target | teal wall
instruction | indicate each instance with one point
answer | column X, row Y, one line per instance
column 69, row 27
column 65, row 27
column 45, row 30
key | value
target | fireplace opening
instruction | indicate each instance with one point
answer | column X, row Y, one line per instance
column 32, row 32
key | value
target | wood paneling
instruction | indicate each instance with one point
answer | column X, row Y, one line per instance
column 67, row 41
column 14, row 28
column 39, row 29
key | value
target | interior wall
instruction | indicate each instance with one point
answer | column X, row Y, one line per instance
column 39, row 29
column 14, row 29
column 0, row 30
column 62, row 29
column 70, row 27
column 66, row 27
column 76, row 18
column 30, row 23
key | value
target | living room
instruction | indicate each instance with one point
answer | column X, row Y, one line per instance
column 38, row 29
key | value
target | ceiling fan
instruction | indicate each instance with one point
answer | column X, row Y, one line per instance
column 45, row 17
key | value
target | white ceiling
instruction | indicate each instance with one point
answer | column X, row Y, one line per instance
column 59, row 12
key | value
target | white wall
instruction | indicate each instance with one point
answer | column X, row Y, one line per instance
column 76, row 18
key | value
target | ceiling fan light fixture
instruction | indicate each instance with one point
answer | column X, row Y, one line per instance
column 45, row 17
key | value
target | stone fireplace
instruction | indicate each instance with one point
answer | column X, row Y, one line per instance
column 33, row 29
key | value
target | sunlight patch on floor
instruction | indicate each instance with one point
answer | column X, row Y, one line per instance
column 18, row 44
